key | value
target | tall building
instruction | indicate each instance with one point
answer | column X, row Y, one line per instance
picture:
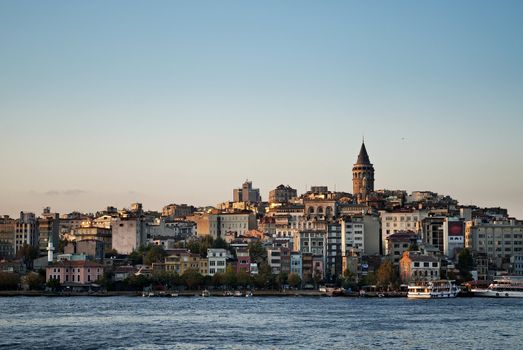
column 7, row 237
column 26, row 231
column 247, row 193
column 48, row 230
column 362, row 176
column 282, row 194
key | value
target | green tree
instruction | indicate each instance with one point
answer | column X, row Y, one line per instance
column 192, row 278
column 154, row 254
column 282, row 279
column 136, row 258
column 138, row 282
column 257, row 252
column 243, row 279
column 294, row 280
column 219, row 243
column 465, row 264
column 9, row 281
column 229, row 277
column 53, row 284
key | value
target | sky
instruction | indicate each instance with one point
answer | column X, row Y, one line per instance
column 112, row 102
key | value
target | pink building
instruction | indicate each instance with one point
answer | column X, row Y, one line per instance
column 74, row 272
column 244, row 260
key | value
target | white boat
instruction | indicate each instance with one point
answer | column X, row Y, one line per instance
column 503, row 287
column 433, row 290
column 205, row 293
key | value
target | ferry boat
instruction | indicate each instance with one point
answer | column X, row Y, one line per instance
column 503, row 287
column 433, row 290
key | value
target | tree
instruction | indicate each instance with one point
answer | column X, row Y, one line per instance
column 192, row 278
column 243, row 279
column 465, row 264
column 281, row 279
column 154, row 254
column 217, row 279
column 257, row 252
column 9, row 281
column 294, row 280
column 386, row 276
column 53, row 284
column 229, row 277
column 219, row 243
column 27, row 253
column 34, row 281
column 138, row 282
column 136, row 258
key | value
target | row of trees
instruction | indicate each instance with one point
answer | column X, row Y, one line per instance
column 192, row 279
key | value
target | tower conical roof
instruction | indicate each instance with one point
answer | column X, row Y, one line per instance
column 363, row 157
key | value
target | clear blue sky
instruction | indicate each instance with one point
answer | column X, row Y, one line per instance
column 108, row 102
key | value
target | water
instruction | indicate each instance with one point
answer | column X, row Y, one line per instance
column 259, row 323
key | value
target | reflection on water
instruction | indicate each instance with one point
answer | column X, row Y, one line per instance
column 259, row 323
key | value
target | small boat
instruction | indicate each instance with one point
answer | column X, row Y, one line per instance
column 433, row 290
column 238, row 293
column 503, row 287
column 228, row 293
column 205, row 293
column 248, row 294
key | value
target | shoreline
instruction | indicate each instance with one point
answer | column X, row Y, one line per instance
column 194, row 293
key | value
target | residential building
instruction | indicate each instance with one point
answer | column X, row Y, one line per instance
column 92, row 248
column 400, row 220
column 398, row 243
column 103, row 235
column 296, row 266
column 71, row 273
column 217, row 259
column 178, row 210
column 314, row 242
column 244, row 260
column 415, row 267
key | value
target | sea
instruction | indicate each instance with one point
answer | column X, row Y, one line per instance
column 259, row 323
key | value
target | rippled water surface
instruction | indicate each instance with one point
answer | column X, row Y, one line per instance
column 259, row 323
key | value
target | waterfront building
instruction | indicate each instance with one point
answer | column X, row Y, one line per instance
column 279, row 259
column 181, row 262
column 500, row 240
column 243, row 260
column 415, row 267
column 362, row 176
column 217, row 260
column 72, row 273
column 295, row 261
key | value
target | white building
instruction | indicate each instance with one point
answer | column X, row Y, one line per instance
column 217, row 259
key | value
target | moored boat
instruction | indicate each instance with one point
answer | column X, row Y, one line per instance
column 502, row 287
column 433, row 290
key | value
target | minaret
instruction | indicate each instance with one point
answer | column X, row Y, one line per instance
column 50, row 250
column 362, row 176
